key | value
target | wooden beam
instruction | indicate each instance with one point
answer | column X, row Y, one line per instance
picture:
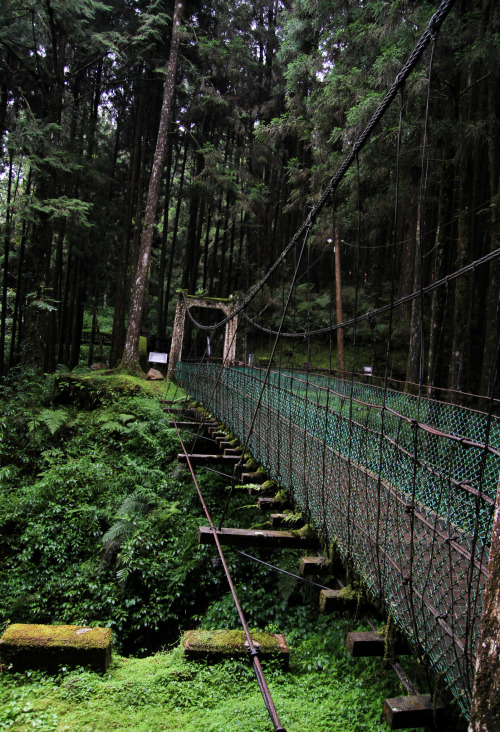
column 260, row 538
column 196, row 459
column 271, row 504
column 403, row 712
column 369, row 644
column 277, row 519
column 312, row 566
column 337, row 601
column 258, row 478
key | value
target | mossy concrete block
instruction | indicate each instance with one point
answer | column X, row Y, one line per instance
column 215, row 645
column 50, row 646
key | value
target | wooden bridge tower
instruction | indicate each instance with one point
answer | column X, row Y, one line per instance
column 185, row 302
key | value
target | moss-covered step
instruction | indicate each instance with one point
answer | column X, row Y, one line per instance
column 215, row 645
column 50, row 646
column 254, row 477
column 366, row 643
column 344, row 600
column 312, row 566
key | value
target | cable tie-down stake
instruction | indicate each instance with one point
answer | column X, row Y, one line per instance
column 252, row 652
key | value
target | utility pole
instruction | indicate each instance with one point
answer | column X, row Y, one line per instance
column 338, row 291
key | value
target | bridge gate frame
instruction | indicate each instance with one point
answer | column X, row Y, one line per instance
column 184, row 303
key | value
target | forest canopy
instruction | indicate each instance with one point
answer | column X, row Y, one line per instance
column 268, row 98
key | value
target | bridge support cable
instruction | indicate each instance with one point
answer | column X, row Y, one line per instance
column 253, row 651
column 264, row 381
column 427, row 37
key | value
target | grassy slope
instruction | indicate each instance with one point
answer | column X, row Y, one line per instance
column 165, row 692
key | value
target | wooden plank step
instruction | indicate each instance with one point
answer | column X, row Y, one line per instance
column 260, row 538
column 312, row 566
column 272, row 504
column 232, row 451
column 403, row 712
column 337, row 601
column 214, row 645
column 208, row 459
column 257, row 478
column 370, row 644
column 277, row 519
column 186, row 425
column 50, row 646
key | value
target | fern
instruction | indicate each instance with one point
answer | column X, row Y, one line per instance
column 117, row 532
column 53, row 419
column 137, row 504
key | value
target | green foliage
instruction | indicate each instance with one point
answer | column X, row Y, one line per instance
column 53, row 419
column 165, row 690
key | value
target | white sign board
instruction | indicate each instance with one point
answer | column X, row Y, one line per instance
column 155, row 357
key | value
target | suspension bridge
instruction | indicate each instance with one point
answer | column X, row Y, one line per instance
column 403, row 487
column 401, row 482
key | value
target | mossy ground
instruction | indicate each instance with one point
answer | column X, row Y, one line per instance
column 166, row 692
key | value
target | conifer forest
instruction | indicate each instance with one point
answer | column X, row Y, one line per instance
column 266, row 98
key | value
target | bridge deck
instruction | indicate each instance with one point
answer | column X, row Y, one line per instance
column 404, row 488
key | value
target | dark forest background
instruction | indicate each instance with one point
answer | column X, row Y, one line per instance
column 269, row 97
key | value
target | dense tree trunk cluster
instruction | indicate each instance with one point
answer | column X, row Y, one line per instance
column 109, row 202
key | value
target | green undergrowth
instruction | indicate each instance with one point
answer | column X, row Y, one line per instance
column 98, row 526
column 324, row 691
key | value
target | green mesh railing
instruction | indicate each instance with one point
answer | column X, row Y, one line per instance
column 405, row 488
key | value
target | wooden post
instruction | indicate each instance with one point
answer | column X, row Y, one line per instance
column 338, row 292
column 177, row 336
column 485, row 710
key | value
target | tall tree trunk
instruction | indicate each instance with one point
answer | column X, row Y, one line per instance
column 6, row 266
column 160, row 324
column 131, row 351
column 494, row 275
column 440, row 258
column 205, row 249
column 414, row 351
column 174, row 235
column 118, row 332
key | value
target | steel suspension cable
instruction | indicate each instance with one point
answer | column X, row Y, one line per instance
column 486, row 259
column 268, row 370
column 433, row 26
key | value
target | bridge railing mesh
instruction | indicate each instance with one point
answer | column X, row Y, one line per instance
column 404, row 487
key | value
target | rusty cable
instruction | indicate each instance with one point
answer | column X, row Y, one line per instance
column 252, row 649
